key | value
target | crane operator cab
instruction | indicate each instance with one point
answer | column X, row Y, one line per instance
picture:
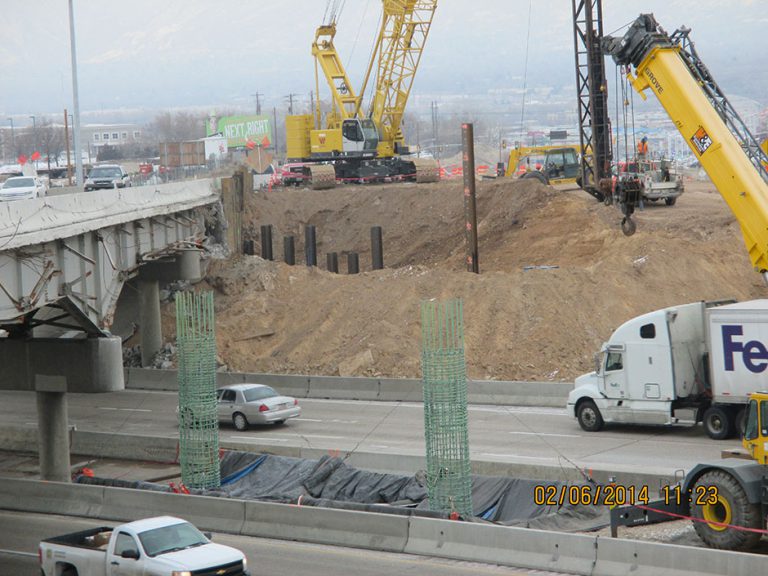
column 359, row 137
column 756, row 427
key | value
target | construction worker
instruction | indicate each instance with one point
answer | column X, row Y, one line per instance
column 642, row 149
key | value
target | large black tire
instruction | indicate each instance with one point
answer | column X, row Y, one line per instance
column 732, row 507
column 718, row 423
column 741, row 416
column 240, row 421
column 537, row 176
column 589, row 416
column 670, row 201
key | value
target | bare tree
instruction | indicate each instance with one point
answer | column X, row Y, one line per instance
column 50, row 140
column 178, row 127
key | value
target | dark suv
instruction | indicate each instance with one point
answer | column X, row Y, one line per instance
column 107, row 176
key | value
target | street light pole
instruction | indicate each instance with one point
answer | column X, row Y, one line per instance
column 13, row 138
column 76, row 99
column 34, row 138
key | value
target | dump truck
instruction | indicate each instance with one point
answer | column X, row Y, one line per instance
column 696, row 362
column 163, row 546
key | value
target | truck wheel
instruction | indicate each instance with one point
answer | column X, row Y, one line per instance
column 739, row 422
column 589, row 416
column 240, row 421
column 718, row 497
column 670, row 201
column 718, row 423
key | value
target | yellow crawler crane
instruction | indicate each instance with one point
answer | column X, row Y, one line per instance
column 365, row 146
column 730, row 493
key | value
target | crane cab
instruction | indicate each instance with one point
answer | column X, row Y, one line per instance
column 756, row 427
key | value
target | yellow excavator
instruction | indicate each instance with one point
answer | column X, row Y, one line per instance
column 351, row 143
column 548, row 164
column 726, row 499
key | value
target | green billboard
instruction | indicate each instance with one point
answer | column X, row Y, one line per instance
column 243, row 131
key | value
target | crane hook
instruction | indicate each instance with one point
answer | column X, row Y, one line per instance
column 628, row 226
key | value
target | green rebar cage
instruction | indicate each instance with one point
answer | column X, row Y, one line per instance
column 198, row 418
column 444, row 377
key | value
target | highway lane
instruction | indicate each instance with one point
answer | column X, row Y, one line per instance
column 21, row 532
column 528, row 435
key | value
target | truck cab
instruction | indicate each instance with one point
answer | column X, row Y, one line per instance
column 643, row 371
column 162, row 546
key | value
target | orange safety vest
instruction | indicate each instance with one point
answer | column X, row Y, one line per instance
column 642, row 147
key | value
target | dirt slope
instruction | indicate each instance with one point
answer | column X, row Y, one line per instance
column 538, row 324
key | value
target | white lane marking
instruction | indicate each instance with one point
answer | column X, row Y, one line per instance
column 324, row 436
column 310, row 420
column 257, row 439
column 125, row 409
column 538, row 410
column 515, row 456
column 18, row 553
column 546, row 434
column 379, row 446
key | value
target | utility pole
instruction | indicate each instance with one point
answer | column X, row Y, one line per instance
column 290, row 102
column 258, row 103
column 13, row 139
column 435, row 123
column 274, row 114
column 34, row 137
column 76, row 99
column 66, row 138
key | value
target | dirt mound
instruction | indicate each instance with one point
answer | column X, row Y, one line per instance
column 557, row 276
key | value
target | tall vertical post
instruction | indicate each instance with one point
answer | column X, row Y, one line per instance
column 353, row 263
column 274, row 131
column 332, row 260
column 76, row 99
column 66, row 139
column 377, row 248
column 446, row 428
column 470, row 198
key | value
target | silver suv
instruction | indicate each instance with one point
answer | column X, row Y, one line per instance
column 107, row 176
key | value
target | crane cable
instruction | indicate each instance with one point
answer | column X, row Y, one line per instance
column 525, row 72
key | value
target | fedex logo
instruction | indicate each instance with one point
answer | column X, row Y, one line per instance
column 753, row 353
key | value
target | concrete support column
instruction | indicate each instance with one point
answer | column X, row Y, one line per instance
column 151, row 330
column 189, row 265
column 53, row 436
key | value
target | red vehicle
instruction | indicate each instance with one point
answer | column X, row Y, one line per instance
column 293, row 174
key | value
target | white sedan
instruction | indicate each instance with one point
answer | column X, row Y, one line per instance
column 23, row 188
column 246, row 404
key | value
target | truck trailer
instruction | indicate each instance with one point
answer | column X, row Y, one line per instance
column 696, row 362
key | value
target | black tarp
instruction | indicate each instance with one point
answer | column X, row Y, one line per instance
column 330, row 482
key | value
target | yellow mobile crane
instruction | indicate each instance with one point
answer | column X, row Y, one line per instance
column 730, row 492
column 351, row 143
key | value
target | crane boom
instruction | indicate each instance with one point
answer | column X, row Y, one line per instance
column 713, row 130
column 345, row 102
column 405, row 25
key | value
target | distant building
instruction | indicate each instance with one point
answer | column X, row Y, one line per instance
column 97, row 135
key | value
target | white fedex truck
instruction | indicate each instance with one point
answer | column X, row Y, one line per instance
column 696, row 362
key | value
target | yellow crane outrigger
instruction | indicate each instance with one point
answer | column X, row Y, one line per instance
column 351, row 143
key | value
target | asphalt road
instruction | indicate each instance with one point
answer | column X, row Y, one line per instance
column 22, row 532
column 529, row 435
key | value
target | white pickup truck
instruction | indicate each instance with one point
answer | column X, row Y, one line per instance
column 162, row 546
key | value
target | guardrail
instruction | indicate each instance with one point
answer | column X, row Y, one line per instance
column 471, row 542
column 506, row 393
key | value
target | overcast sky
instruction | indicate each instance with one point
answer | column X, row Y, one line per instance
column 168, row 54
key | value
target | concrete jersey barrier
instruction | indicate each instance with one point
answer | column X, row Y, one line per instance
column 472, row 542
column 503, row 393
